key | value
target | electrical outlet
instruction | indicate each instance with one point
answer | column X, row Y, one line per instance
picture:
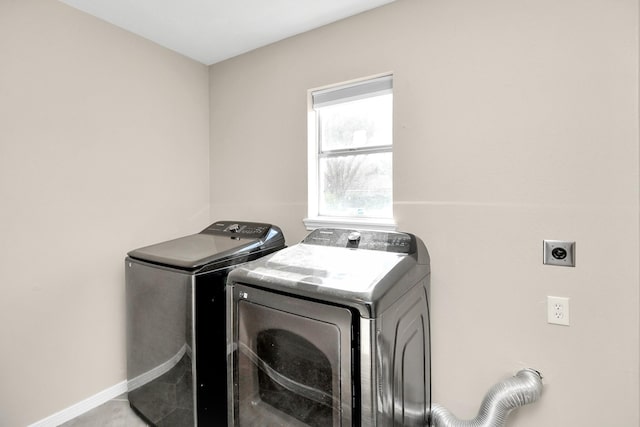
column 559, row 252
column 558, row 310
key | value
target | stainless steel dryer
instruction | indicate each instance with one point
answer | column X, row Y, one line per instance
column 176, row 334
column 333, row 331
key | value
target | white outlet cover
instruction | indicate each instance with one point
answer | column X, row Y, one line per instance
column 558, row 310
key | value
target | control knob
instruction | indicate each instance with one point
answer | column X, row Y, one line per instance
column 354, row 236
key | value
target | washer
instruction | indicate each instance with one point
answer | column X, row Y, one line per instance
column 176, row 333
column 333, row 331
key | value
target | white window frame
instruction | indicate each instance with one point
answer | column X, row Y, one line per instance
column 347, row 91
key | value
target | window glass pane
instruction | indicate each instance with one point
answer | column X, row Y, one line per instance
column 356, row 124
column 357, row 185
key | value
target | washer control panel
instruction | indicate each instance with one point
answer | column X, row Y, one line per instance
column 237, row 229
column 363, row 239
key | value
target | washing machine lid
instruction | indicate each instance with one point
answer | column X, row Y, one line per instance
column 221, row 242
column 362, row 269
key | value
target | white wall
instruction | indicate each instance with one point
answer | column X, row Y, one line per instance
column 515, row 121
column 103, row 148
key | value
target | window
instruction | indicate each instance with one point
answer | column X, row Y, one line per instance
column 350, row 155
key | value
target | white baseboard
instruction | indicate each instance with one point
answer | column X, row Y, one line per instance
column 105, row 395
column 81, row 407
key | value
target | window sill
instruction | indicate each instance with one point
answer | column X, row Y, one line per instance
column 344, row 222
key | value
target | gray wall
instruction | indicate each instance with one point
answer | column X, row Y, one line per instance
column 103, row 148
column 514, row 122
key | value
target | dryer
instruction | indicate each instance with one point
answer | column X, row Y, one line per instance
column 333, row 331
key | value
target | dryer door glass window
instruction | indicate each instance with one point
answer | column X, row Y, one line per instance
column 295, row 376
column 291, row 368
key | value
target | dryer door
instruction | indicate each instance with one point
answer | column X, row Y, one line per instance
column 293, row 361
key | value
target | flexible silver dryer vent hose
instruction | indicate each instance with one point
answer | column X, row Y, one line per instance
column 523, row 388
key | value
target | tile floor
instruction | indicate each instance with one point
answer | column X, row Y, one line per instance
column 114, row 413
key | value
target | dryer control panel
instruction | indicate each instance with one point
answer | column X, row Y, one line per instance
column 363, row 239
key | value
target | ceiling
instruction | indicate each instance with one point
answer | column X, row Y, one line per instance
column 211, row 31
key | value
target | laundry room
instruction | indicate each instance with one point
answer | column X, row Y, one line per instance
column 514, row 122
